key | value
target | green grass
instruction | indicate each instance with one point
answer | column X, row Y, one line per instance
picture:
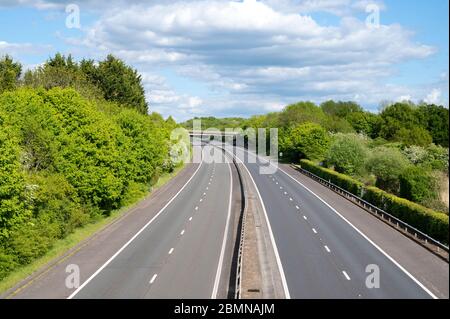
column 62, row 246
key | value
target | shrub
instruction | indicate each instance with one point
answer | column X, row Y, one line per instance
column 347, row 154
column 418, row 185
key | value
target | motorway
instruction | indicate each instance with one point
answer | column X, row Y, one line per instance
column 320, row 253
column 179, row 253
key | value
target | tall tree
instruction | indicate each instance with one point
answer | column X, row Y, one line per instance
column 9, row 73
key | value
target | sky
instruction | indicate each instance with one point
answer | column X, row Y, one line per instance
column 241, row 58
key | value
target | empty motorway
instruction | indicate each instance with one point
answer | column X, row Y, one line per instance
column 321, row 253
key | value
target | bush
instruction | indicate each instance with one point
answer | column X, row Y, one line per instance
column 347, row 154
column 418, row 185
column 307, row 140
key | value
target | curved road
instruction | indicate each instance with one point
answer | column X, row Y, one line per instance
column 321, row 254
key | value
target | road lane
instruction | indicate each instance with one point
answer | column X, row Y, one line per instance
column 191, row 228
column 322, row 255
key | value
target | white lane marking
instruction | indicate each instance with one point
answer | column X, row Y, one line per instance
column 153, row 278
column 190, row 218
column 204, row 194
column 297, row 207
column 182, row 232
column 272, row 238
column 224, row 242
column 137, row 234
column 196, row 207
column 305, row 218
column 290, row 198
column 276, row 183
column 346, row 275
column 314, row 230
column 281, row 187
column 285, row 193
column 170, row 251
column 201, row 199
column 326, row 248
column 366, row 238
column 207, row 187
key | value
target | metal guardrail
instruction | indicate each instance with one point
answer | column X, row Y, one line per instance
column 430, row 243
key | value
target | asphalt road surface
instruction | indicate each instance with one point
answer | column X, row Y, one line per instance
column 179, row 254
column 320, row 254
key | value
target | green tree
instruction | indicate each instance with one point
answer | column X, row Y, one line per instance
column 119, row 82
column 387, row 164
column 347, row 154
column 436, row 120
column 300, row 113
column 365, row 122
column 340, row 109
column 308, row 140
column 9, row 73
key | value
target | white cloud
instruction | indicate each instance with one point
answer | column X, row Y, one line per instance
column 434, row 97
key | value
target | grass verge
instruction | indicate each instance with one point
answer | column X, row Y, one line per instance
column 73, row 239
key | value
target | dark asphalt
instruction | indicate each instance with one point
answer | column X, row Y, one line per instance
column 321, row 254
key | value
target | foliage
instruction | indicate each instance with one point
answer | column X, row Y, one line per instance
column 347, row 154
column 9, row 73
column 435, row 119
column 387, row 164
column 307, row 140
column 66, row 160
column 340, row 109
column 418, row 185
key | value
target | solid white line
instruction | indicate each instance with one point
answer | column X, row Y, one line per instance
column 182, row 232
column 224, row 242
column 346, row 275
column 153, row 278
column 314, row 230
column 170, row 251
column 365, row 237
column 327, row 249
column 360, row 232
column 272, row 238
column 137, row 234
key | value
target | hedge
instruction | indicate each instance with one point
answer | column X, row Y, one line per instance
column 434, row 224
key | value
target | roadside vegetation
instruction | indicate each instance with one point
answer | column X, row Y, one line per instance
column 399, row 156
column 76, row 144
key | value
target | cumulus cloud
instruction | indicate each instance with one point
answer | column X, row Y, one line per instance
column 266, row 53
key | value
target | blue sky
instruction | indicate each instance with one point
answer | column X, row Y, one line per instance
column 238, row 58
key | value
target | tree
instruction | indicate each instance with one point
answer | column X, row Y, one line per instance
column 340, row 109
column 9, row 73
column 119, row 82
column 387, row 164
column 347, row 154
column 300, row 113
column 413, row 136
column 307, row 140
column 436, row 121
column 365, row 122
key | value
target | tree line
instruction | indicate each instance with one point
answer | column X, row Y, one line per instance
column 76, row 143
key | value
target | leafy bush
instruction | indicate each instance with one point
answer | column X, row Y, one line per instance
column 307, row 140
column 418, row 185
column 347, row 154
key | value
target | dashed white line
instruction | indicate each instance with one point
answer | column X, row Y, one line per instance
column 346, row 275
column 285, row 193
column 290, row 198
column 170, row 251
column 297, row 207
column 201, row 199
column 205, row 193
column 196, row 207
column 314, row 230
column 305, row 218
column 190, row 218
column 182, row 232
column 326, row 248
column 153, row 278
